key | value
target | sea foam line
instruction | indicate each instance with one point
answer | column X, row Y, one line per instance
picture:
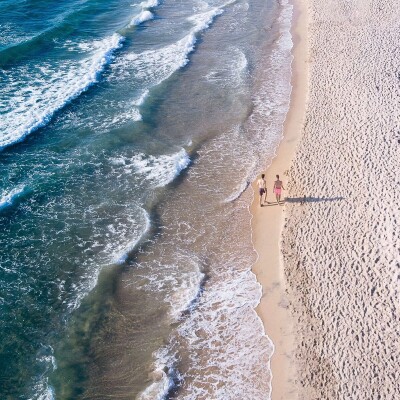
column 162, row 381
column 156, row 66
column 120, row 259
column 159, row 170
column 202, row 22
column 35, row 116
column 163, row 169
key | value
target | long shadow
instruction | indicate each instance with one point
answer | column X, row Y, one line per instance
column 306, row 199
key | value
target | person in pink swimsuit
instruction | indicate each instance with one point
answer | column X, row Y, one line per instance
column 278, row 186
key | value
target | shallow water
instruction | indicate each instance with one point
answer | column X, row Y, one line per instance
column 129, row 134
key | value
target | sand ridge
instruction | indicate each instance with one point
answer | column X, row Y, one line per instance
column 341, row 247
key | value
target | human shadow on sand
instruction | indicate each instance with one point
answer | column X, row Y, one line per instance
column 301, row 200
column 306, row 199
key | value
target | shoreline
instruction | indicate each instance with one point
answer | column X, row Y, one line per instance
column 267, row 222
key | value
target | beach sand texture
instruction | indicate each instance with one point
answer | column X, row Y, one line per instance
column 341, row 247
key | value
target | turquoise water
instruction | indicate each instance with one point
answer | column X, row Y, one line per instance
column 128, row 134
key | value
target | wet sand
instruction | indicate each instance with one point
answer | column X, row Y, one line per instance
column 268, row 221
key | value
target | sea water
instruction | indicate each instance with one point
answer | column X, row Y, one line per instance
column 129, row 134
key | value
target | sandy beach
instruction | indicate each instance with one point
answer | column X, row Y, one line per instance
column 329, row 259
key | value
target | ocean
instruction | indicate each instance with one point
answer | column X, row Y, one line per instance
column 129, row 135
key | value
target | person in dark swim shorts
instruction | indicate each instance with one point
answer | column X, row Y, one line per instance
column 262, row 189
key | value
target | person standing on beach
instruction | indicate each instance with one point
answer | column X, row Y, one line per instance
column 278, row 186
column 262, row 189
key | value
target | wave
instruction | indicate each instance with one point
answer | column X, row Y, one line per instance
column 133, row 114
column 145, row 15
column 203, row 20
column 186, row 290
column 109, row 247
column 17, row 49
column 161, row 377
column 249, row 176
column 152, row 67
column 149, row 4
column 231, row 74
column 42, row 388
column 185, row 281
column 141, row 99
column 225, row 318
column 34, row 106
column 238, row 192
column 39, row 102
column 7, row 199
column 160, row 170
column 222, row 317
column 124, row 117
column 121, row 258
column 11, row 37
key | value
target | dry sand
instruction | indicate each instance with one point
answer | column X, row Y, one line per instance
column 340, row 250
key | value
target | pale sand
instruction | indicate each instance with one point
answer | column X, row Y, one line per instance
column 267, row 224
column 341, row 248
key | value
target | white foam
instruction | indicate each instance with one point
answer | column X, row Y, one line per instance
column 44, row 391
column 129, row 112
column 42, row 388
column 119, row 119
column 7, row 198
column 230, row 74
column 203, row 20
column 223, row 335
column 155, row 66
column 161, row 170
column 225, row 319
column 123, row 255
column 244, row 183
column 185, row 291
column 141, row 99
column 51, row 88
column 162, row 383
column 238, row 191
column 145, row 15
column 158, row 65
column 158, row 389
column 108, row 247
column 149, row 4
